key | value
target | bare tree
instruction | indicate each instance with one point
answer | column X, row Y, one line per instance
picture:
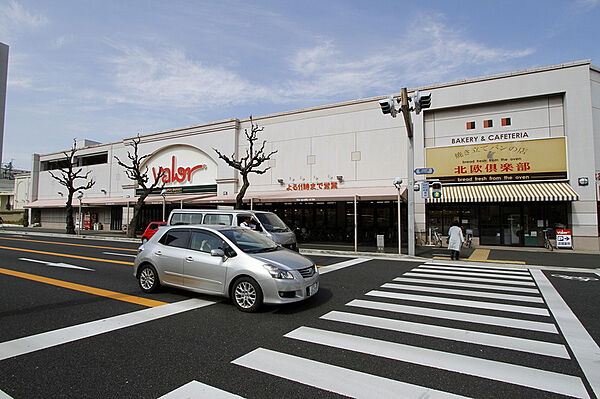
column 248, row 163
column 134, row 172
column 67, row 178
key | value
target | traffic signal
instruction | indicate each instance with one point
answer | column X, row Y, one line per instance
column 387, row 106
column 436, row 189
column 421, row 100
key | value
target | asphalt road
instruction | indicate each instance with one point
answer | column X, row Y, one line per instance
column 377, row 328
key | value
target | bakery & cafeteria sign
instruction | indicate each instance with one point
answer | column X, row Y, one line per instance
column 541, row 159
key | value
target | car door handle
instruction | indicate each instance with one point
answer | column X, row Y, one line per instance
column 158, row 253
column 189, row 259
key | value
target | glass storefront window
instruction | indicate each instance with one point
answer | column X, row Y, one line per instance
column 450, row 214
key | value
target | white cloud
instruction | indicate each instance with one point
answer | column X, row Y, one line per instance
column 434, row 55
column 15, row 18
column 170, row 78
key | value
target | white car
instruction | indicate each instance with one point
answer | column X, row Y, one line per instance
column 227, row 261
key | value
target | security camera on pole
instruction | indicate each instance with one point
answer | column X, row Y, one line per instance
column 420, row 101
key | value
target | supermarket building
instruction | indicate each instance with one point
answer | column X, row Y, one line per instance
column 516, row 154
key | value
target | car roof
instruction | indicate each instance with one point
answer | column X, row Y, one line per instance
column 216, row 227
column 217, row 211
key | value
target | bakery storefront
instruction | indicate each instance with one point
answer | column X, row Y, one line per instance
column 506, row 192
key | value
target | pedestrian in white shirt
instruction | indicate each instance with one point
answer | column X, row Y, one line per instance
column 455, row 240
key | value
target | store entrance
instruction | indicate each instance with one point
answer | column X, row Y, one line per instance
column 513, row 224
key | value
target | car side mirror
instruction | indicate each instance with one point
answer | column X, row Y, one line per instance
column 217, row 252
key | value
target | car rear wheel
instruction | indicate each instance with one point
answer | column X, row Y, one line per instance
column 247, row 295
column 148, row 278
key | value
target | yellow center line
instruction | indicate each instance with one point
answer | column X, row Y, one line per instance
column 84, row 288
column 121, row 262
column 68, row 243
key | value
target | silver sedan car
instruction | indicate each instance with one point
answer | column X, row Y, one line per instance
column 227, row 261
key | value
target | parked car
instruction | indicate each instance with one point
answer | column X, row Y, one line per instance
column 151, row 230
column 233, row 262
column 266, row 223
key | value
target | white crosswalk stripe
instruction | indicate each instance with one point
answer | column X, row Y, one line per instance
column 467, row 285
column 455, row 334
column 333, row 378
column 434, row 284
column 505, row 372
column 463, row 278
column 460, row 316
column 478, row 274
column 476, row 265
column 475, row 269
column 479, row 294
column 461, row 302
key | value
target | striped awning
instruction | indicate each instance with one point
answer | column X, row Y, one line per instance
column 507, row 193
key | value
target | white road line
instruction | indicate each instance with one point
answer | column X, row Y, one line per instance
column 341, row 265
column 461, row 302
column 477, row 279
column 118, row 254
column 57, row 264
column 476, row 274
column 454, row 334
column 459, row 316
column 4, row 395
column 513, row 374
column 335, row 379
column 475, row 269
column 479, row 294
column 195, row 389
column 21, row 346
column 584, row 347
column 467, row 285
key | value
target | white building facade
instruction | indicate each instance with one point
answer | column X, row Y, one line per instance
column 516, row 154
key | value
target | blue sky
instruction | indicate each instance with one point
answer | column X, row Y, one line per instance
column 105, row 69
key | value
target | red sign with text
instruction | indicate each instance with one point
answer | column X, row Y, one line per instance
column 176, row 174
column 312, row 186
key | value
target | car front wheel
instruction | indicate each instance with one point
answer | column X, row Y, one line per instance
column 247, row 295
column 148, row 278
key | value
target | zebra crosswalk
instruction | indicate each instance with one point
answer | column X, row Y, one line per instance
column 491, row 324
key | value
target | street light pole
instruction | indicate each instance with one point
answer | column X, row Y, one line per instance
column 410, row 156
column 80, row 196
column 163, row 193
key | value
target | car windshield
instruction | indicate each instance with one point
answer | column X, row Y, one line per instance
column 250, row 241
column 272, row 223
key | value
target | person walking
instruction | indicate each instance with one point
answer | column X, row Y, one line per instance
column 455, row 240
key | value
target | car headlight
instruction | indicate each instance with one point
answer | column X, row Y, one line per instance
column 276, row 272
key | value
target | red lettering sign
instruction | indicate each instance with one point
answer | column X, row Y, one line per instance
column 176, row 175
column 311, row 186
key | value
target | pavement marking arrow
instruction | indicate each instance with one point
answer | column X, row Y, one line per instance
column 59, row 264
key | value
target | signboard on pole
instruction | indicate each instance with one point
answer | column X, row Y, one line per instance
column 424, row 171
column 564, row 239
column 425, row 189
